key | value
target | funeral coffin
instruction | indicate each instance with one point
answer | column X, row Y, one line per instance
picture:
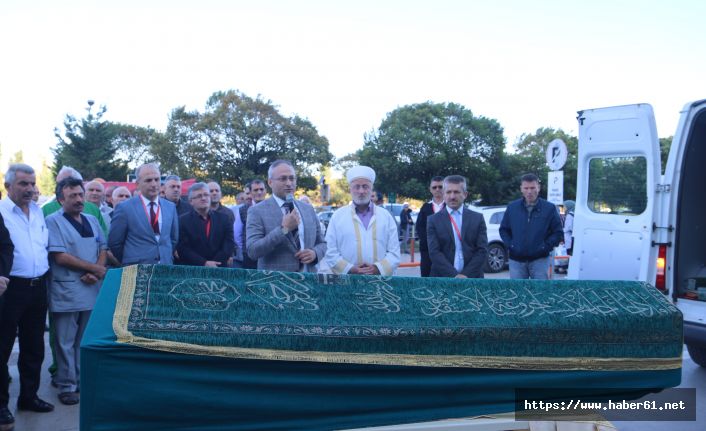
column 186, row 348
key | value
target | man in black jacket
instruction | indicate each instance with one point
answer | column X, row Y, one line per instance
column 428, row 209
column 530, row 229
column 205, row 236
column 6, row 255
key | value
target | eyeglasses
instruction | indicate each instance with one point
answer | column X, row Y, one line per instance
column 200, row 196
column 437, row 187
column 291, row 178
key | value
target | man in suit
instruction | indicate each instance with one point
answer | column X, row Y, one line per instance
column 457, row 236
column 145, row 228
column 429, row 209
column 205, row 235
column 255, row 192
column 283, row 234
column 172, row 192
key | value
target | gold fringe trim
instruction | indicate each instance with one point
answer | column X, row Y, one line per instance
column 123, row 304
column 123, row 307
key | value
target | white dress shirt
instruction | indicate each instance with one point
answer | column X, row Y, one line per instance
column 30, row 237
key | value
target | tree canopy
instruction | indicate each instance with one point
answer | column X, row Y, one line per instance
column 236, row 138
column 530, row 158
column 88, row 145
column 416, row 142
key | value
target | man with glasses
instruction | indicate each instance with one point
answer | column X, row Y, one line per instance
column 205, row 235
column 284, row 234
column 362, row 237
column 429, row 209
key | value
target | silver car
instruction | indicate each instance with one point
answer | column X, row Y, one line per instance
column 497, row 253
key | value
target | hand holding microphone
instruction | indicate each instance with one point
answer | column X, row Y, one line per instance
column 291, row 220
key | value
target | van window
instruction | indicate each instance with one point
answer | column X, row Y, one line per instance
column 617, row 185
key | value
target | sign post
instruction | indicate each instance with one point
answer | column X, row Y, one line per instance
column 556, row 156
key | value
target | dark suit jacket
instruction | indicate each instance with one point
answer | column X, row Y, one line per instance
column 442, row 246
column 425, row 212
column 7, row 250
column 195, row 249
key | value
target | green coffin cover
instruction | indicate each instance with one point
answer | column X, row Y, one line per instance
column 174, row 347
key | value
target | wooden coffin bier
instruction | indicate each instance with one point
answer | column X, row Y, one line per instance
column 172, row 347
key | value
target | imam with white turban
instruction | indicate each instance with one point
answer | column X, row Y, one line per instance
column 350, row 242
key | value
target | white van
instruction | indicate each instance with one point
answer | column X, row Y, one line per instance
column 633, row 223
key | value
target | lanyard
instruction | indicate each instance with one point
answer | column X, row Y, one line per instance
column 458, row 232
column 156, row 215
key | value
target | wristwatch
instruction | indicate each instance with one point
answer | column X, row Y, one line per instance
column 285, row 231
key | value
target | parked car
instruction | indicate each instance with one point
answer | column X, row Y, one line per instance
column 324, row 218
column 497, row 253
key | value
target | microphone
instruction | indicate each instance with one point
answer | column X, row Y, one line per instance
column 289, row 202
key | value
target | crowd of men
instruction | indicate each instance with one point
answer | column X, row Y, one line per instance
column 55, row 258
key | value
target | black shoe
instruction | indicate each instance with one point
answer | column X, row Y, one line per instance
column 35, row 405
column 6, row 417
column 69, row 398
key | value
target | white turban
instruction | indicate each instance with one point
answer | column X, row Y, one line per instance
column 360, row 172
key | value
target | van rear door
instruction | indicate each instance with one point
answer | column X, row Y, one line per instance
column 618, row 173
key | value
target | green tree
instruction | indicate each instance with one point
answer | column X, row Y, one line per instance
column 88, row 145
column 46, row 180
column 665, row 144
column 139, row 145
column 18, row 157
column 530, row 158
column 416, row 142
column 236, row 138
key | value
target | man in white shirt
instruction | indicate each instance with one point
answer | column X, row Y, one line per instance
column 25, row 301
column 362, row 238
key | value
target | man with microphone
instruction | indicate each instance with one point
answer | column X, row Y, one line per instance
column 283, row 234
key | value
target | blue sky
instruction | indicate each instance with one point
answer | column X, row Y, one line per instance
column 345, row 65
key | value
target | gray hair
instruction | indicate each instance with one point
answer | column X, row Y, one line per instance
column 12, row 171
column 95, row 182
column 71, row 172
column 455, row 179
column 146, row 165
column 118, row 189
column 197, row 186
column 278, row 163
column 172, row 178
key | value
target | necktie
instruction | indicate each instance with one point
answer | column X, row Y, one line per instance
column 458, row 257
column 153, row 219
